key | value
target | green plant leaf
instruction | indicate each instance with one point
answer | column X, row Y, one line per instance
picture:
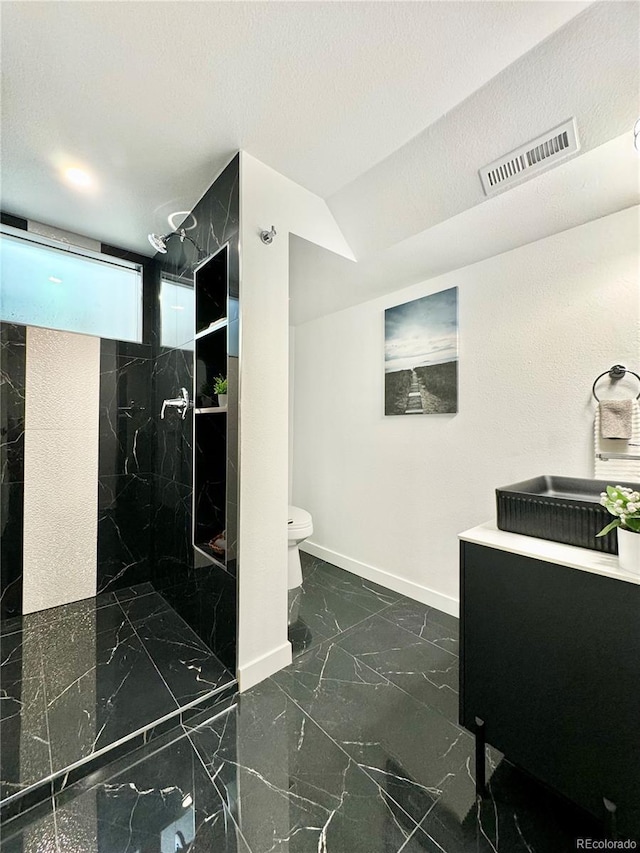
column 613, row 524
column 633, row 524
column 220, row 385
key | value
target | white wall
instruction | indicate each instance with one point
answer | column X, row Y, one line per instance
column 267, row 198
column 390, row 494
column 62, row 392
column 292, row 363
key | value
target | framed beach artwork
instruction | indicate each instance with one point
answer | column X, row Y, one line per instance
column 421, row 356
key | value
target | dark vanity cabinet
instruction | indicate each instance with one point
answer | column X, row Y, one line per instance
column 215, row 418
column 550, row 675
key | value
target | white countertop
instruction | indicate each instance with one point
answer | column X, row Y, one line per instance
column 550, row 552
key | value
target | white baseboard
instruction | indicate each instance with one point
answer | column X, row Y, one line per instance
column 257, row 670
column 405, row 587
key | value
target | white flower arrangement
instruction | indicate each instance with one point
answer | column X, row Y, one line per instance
column 624, row 504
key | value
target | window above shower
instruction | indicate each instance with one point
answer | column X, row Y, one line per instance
column 60, row 287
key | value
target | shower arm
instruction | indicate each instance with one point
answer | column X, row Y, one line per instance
column 182, row 234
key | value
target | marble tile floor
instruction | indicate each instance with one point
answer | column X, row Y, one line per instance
column 344, row 751
column 79, row 679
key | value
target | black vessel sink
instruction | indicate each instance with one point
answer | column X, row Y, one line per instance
column 562, row 509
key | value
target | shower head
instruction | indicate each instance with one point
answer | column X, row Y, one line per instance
column 159, row 243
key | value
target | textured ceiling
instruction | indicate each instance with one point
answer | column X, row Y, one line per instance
column 602, row 181
column 589, row 69
column 421, row 211
column 153, row 98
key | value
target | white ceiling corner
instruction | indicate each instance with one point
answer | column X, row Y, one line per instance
column 385, row 109
column 602, row 182
column 153, row 98
column 434, row 176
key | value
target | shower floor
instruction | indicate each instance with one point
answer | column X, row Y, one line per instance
column 80, row 681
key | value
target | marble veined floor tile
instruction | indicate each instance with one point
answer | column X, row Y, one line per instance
column 138, row 609
column 425, row 622
column 161, row 800
column 10, row 625
column 517, row 815
column 25, row 756
column 137, row 591
column 290, row 787
column 82, row 677
column 11, row 646
column 325, row 611
column 99, row 692
column 74, row 612
column 424, row 670
column 366, row 594
column 407, row 748
column 188, row 667
column 38, row 836
column 301, row 637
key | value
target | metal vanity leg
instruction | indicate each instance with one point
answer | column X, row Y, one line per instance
column 610, row 819
column 480, row 758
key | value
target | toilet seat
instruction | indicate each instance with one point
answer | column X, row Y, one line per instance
column 299, row 529
column 301, row 524
column 298, row 518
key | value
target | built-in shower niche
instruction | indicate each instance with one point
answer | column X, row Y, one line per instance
column 210, row 493
column 211, row 412
column 211, row 363
column 211, row 290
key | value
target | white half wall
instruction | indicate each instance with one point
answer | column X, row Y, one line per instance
column 537, row 325
column 267, row 198
column 60, row 468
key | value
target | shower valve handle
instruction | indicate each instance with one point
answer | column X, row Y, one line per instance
column 182, row 403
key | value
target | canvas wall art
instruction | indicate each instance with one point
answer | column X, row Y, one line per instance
column 421, row 356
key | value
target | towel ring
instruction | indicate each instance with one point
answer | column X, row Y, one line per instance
column 616, row 372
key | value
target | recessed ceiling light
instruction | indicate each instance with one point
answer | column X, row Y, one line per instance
column 55, row 280
column 78, row 177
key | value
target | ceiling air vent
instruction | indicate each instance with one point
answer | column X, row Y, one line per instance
column 529, row 159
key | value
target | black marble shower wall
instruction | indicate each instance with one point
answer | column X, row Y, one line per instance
column 12, row 378
column 125, row 465
column 204, row 594
column 126, row 461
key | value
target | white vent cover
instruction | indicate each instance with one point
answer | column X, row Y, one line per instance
column 541, row 153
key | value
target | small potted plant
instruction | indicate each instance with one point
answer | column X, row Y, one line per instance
column 624, row 504
column 220, row 388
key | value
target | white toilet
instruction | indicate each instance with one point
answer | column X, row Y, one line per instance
column 300, row 526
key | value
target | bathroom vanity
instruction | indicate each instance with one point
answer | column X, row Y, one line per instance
column 550, row 667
